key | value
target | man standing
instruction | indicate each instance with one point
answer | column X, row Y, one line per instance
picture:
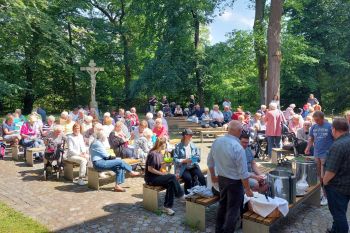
column 152, row 102
column 227, row 159
column 312, row 100
column 337, row 176
column 321, row 138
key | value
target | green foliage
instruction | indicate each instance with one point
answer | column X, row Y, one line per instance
column 147, row 47
column 231, row 71
column 320, row 64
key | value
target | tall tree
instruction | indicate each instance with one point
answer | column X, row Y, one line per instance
column 274, row 49
column 116, row 13
column 260, row 46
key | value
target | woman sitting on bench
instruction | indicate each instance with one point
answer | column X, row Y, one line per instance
column 156, row 176
column 102, row 161
column 77, row 151
column 186, row 158
column 119, row 142
column 30, row 137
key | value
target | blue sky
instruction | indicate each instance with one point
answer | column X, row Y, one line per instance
column 240, row 16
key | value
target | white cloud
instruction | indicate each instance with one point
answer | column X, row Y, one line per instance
column 230, row 16
column 226, row 16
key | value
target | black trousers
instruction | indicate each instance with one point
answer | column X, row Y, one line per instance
column 230, row 204
column 189, row 177
column 172, row 186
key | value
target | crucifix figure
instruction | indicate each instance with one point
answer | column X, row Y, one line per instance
column 92, row 70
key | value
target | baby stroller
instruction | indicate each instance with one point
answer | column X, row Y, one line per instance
column 297, row 146
column 53, row 159
column 259, row 145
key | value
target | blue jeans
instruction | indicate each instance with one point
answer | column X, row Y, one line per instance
column 116, row 165
column 273, row 142
column 338, row 205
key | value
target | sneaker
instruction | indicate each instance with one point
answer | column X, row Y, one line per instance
column 102, row 175
column 324, row 201
column 168, row 211
column 81, row 182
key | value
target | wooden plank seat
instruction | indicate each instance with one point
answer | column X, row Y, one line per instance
column 151, row 194
column 253, row 222
column 94, row 178
column 215, row 133
column 29, row 154
column 195, row 210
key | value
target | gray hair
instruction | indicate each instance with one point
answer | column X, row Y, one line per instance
column 160, row 114
column 149, row 115
column 58, row 128
column 147, row 132
column 273, row 106
column 99, row 135
column 51, row 118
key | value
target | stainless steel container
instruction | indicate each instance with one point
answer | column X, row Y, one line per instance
column 282, row 184
column 308, row 168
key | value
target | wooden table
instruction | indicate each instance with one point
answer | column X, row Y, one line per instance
column 253, row 222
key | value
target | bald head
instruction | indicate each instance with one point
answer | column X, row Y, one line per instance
column 235, row 128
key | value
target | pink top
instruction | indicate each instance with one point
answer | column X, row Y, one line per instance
column 162, row 132
column 26, row 129
column 273, row 121
column 294, row 127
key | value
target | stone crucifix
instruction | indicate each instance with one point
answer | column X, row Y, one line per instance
column 92, row 70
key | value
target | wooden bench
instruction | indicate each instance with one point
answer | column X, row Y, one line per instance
column 212, row 132
column 151, row 194
column 94, row 178
column 195, row 210
column 29, row 154
column 253, row 222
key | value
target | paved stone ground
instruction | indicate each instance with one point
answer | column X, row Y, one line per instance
column 66, row 207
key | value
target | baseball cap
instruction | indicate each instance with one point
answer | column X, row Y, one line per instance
column 187, row 132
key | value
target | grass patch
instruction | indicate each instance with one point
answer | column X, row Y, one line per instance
column 15, row 222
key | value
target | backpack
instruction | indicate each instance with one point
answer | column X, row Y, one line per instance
column 2, row 150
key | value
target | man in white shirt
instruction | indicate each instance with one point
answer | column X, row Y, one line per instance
column 227, row 159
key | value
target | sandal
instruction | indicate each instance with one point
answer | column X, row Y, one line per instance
column 119, row 190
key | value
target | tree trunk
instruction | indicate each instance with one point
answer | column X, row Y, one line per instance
column 127, row 67
column 274, row 49
column 71, row 63
column 199, row 81
column 126, row 59
column 30, row 52
column 28, row 99
column 125, row 42
column 260, row 47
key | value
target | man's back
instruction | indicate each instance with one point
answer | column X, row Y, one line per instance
column 338, row 161
column 229, row 158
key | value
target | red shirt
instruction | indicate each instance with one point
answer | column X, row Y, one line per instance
column 236, row 115
column 162, row 132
